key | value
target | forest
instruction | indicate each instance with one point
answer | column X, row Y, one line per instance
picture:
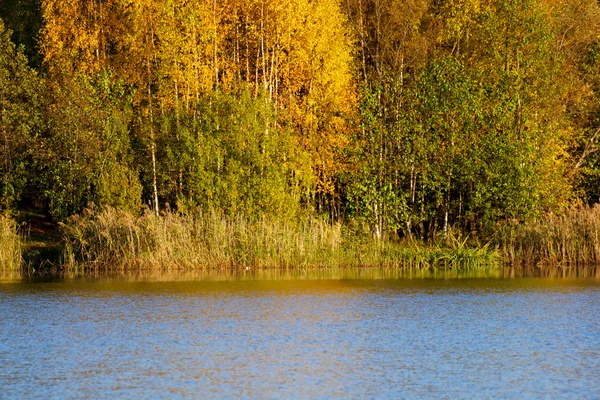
column 474, row 122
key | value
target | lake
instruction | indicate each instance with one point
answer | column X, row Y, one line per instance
column 323, row 334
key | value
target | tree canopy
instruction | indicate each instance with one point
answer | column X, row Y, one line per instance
column 411, row 116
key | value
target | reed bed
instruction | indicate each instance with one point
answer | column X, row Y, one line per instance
column 118, row 241
column 10, row 245
column 569, row 238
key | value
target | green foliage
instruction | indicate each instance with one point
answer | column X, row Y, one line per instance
column 230, row 153
column 374, row 190
column 471, row 112
column 20, row 118
column 119, row 187
column 476, row 136
column 86, row 156
column 588, row 116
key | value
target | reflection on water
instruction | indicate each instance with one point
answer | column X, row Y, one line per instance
column 300, row 334
column 313, row 274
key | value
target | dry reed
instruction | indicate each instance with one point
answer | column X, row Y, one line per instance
column 115, row 240
column 569, row 238
column 10, row 245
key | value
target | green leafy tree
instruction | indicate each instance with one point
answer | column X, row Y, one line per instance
column 479, row 134
column 234, row 157
column 21, row 119
column 87, row 156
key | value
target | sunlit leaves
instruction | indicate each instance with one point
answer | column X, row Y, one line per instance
column 21, row 100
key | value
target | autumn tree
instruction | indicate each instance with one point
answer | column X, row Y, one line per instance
column 475, row 134
column 576, row 28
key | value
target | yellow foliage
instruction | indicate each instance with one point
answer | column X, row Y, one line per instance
column 298, row 52
column 459, row 17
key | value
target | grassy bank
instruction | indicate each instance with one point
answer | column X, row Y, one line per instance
column 10, row 245
column 116, row 240
column 569, row 238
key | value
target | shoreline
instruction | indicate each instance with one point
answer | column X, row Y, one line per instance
column 311, row 274
column 118, row 241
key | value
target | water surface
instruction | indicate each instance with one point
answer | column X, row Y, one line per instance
column 346, row 335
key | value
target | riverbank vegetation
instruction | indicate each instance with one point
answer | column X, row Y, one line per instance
column 117, row 241
column 301, row 132
column 10, row 245
column 571, row 237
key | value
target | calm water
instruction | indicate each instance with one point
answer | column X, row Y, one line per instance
column 299, row 337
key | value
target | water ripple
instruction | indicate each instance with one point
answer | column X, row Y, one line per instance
column 348, row 338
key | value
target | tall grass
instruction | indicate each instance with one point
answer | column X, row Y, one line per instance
column 571, row 237
column 10, row 245
column 116, row 240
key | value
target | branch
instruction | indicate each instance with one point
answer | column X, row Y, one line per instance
column 590, row 148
